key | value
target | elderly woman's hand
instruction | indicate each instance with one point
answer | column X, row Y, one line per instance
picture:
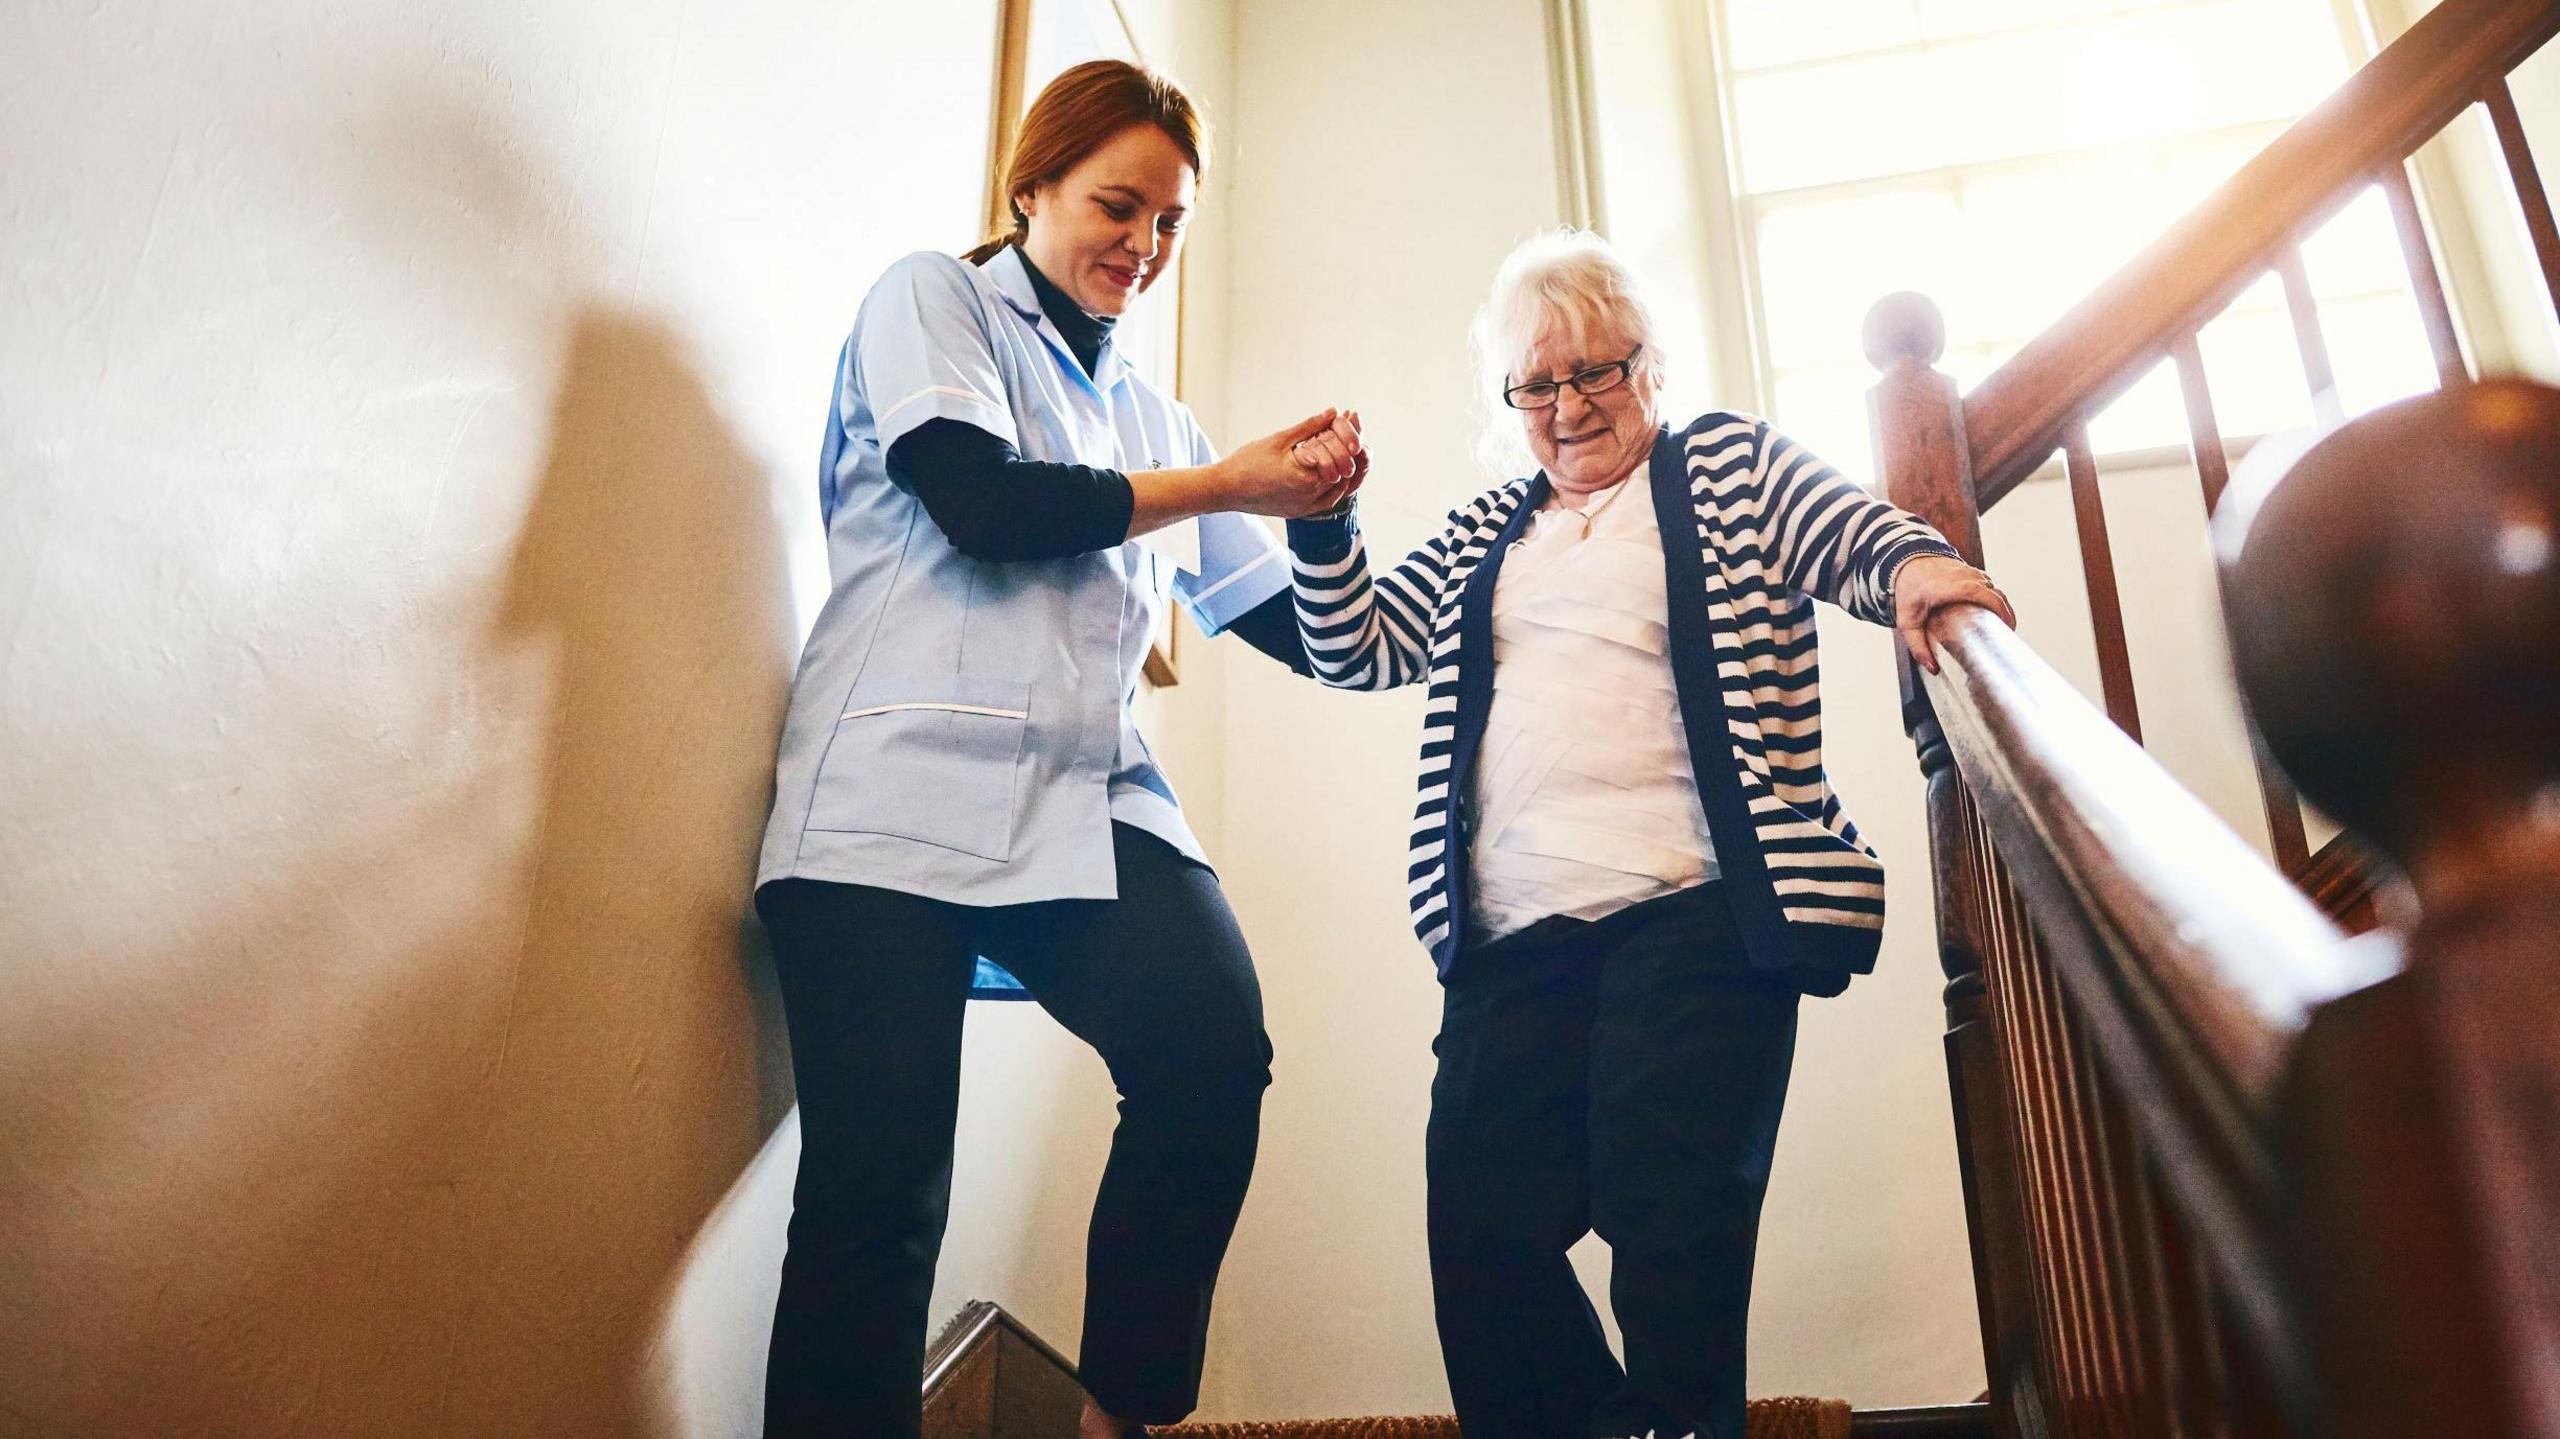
column 1926, row 585
column 1310, row 467
column 1338, row 456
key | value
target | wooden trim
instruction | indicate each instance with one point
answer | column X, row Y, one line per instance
column 1013, row 57
column 989, row 1377
column 977, row 1324
column 2419, row 251
column 2346, row 879
column 2308, row 339
column 1725, row 243
column 2098, row 577
column 2406, row 94
column 1580, row 200
column 1939, row 1421
column 2526, row 179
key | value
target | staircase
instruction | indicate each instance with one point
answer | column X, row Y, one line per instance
column 2228, row 1171
column 2237, row 1162
column 989, row 1377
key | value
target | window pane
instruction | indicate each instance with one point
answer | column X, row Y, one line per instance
column 2131, row 77
column 1876, row 116
column 1826, row 412
column 2150, row 415
column 1782, row 32
column 2004, row 157
column 1823, row 264
column 2358, row 251
column 1946, row 19
column 2036, row 241
column 2254, row 365
column 2379, row 348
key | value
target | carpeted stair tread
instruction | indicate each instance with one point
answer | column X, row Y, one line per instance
column 1789, row 1418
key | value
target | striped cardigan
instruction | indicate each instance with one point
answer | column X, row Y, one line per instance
column 1771, row 527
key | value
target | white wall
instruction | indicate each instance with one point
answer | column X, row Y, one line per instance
column 407, row 416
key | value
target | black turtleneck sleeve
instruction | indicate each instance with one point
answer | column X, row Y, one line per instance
column 990, row 502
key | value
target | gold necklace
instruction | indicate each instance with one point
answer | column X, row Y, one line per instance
column 1589, row 515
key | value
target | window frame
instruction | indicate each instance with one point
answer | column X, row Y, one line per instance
column 1740, row 359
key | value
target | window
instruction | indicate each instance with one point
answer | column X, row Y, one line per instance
column 2003, row 157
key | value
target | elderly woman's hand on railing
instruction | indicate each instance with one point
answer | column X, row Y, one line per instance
column 1930, row 583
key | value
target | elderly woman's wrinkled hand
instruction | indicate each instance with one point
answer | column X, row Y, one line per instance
column 1926, row 585
column 1308, row 468
column 1336, row 456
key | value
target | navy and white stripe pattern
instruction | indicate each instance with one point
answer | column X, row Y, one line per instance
column 1774, row 528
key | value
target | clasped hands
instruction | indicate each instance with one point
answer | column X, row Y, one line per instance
column 1309, row 468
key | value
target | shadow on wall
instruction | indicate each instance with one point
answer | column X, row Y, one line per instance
column 413, row 1136
column 640, row 1060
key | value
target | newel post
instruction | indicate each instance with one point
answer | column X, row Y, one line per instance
column 2394, row 608
column 1925, row 468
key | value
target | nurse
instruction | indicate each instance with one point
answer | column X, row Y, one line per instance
column 963, row 804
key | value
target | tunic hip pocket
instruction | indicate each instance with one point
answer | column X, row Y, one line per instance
column 938, row 765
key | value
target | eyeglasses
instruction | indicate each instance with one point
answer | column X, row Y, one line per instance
column 1538, row 394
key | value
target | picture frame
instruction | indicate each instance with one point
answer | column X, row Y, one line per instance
column 1037, row 40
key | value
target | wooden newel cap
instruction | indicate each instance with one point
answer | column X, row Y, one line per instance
column 2393, row 599
column 1904, row 325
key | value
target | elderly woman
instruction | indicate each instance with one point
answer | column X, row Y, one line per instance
column 1627, row 861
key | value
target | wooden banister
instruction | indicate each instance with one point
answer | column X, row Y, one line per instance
column 2017, row 416
column 2234, row 956
column 2227, row 1172
column 2262, row 1178
column 2395, row 627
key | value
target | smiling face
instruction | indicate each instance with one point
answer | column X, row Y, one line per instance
column 1112, row 226
column 1587, row 443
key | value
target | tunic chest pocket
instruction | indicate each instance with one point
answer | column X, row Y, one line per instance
column 937, row 761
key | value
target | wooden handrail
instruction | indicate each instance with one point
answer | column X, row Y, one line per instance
column 2191, row 964
column 2416, row 86
column 2234, row 958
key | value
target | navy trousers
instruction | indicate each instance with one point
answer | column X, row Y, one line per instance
column 874, row 983
column 1623, row 1076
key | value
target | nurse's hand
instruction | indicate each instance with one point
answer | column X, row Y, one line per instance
column 1310, row 466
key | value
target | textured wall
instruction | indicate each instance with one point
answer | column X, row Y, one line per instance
column 406, row 417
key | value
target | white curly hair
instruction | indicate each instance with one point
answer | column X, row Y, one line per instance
column 1570, row 278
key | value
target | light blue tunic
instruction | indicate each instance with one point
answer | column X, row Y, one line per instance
column 960, row 729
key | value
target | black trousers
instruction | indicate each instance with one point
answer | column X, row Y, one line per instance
column 1623, row 1075
column 874, row 983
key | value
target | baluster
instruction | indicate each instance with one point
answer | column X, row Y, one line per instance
column 2098, row 574
column 2308, row 340
column 2527, row 180
column 1921, row 455
column 2150, row 1366
column 2037, row 1300
column 2080, row 1104
column 2283, row 808
column 2204, row 432
column 2420, row 254
column 2187, row 1361
column 2056, row 1209
column 2023, row 1046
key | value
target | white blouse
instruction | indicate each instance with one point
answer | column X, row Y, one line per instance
column 1585, row 798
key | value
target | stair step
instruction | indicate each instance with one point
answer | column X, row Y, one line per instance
column 1788, row 1418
